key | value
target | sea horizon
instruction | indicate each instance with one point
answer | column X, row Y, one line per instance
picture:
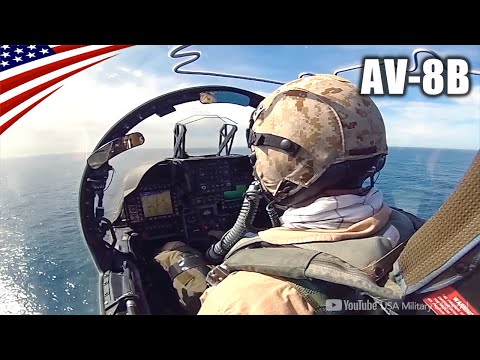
column 87, row 153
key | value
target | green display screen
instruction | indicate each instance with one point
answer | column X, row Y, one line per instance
column 235, row 194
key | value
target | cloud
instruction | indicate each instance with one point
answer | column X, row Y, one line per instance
column 452, row 124
column 76, row 117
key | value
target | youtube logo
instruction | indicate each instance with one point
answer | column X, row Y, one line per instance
column 333, row 305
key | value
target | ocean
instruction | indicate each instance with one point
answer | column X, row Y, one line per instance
column 45, row 266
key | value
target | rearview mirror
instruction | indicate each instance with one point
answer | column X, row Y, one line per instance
column 224, row 97
column 113, row 148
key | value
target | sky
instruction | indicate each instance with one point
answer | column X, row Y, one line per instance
column 75, row 117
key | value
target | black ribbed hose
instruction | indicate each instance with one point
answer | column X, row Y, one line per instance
column 217, row 251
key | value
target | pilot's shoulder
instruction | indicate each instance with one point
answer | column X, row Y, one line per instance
column 250, row 293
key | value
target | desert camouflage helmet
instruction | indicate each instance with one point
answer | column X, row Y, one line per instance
column 309, row 124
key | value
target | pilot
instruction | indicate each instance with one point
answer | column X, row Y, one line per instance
column 318, row 147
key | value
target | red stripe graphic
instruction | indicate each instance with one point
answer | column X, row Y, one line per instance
column 17, row 100
column 40, row 71
column 17, row 80
column 62, row 48
column 10, row 122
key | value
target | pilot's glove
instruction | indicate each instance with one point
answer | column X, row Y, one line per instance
column 188, row 270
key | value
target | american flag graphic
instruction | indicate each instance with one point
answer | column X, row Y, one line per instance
column 31, row 73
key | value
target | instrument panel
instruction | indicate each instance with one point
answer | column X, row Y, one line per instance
column 185, row 199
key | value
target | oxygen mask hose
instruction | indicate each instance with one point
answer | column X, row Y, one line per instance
column 217, row 251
